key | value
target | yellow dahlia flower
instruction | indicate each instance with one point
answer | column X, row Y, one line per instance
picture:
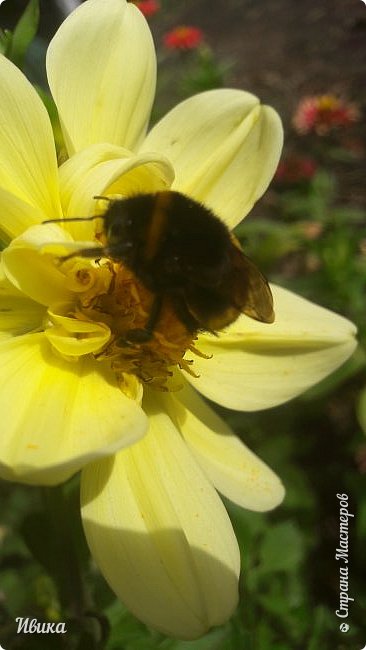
column 72, row 396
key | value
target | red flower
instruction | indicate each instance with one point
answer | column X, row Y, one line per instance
column 295, row 169
column 183, row 38
column 323, row 113
column 148, row 7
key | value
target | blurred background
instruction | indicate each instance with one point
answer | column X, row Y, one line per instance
column 308, row 234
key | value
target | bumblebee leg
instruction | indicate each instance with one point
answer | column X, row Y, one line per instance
column 183, row 313
column 145, row 334
column 95, row 253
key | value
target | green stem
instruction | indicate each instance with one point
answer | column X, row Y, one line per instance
column 66, row 565
column 89, row 628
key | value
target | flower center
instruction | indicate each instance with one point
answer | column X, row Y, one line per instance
column 124, row 305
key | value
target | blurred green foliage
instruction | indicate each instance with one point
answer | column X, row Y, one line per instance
column 14, row 44
column 307, row 239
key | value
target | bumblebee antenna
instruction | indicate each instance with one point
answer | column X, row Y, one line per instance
column 97, row 197
column 96, row 216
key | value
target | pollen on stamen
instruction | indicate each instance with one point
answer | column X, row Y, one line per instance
column 125, row 306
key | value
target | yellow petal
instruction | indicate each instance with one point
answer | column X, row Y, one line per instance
column 28, row 166
column 58, row 416
column 107, row 169
column 160, row 534
column 6, row 287
column 74, row 337
column 35, row 272
column 233, row 469
column 15, row 216
column 256, row 366
column 18, row 314
column 102, row 70
column 224, row 148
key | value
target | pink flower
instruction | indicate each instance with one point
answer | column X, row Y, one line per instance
column 323, row 113
column 183, row 38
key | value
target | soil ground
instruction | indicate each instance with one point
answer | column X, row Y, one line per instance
column 283, row 50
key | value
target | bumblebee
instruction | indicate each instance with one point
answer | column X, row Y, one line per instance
column 181, row 251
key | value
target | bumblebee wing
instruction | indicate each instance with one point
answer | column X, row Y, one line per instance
column 250, row 290
column 242, row 289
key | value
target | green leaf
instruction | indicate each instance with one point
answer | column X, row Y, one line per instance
column 264, row 636
column 126, row 631
column 217, row 639
column 348, row 215
column 321, row 625
column 361, row 410
column 207, row 73
column 248, row 526
column 282, row 549
column 324, row 184
column 53, row 115
column 24, row 33
column 5, row 41
column 361, row 521
column 273, row 599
